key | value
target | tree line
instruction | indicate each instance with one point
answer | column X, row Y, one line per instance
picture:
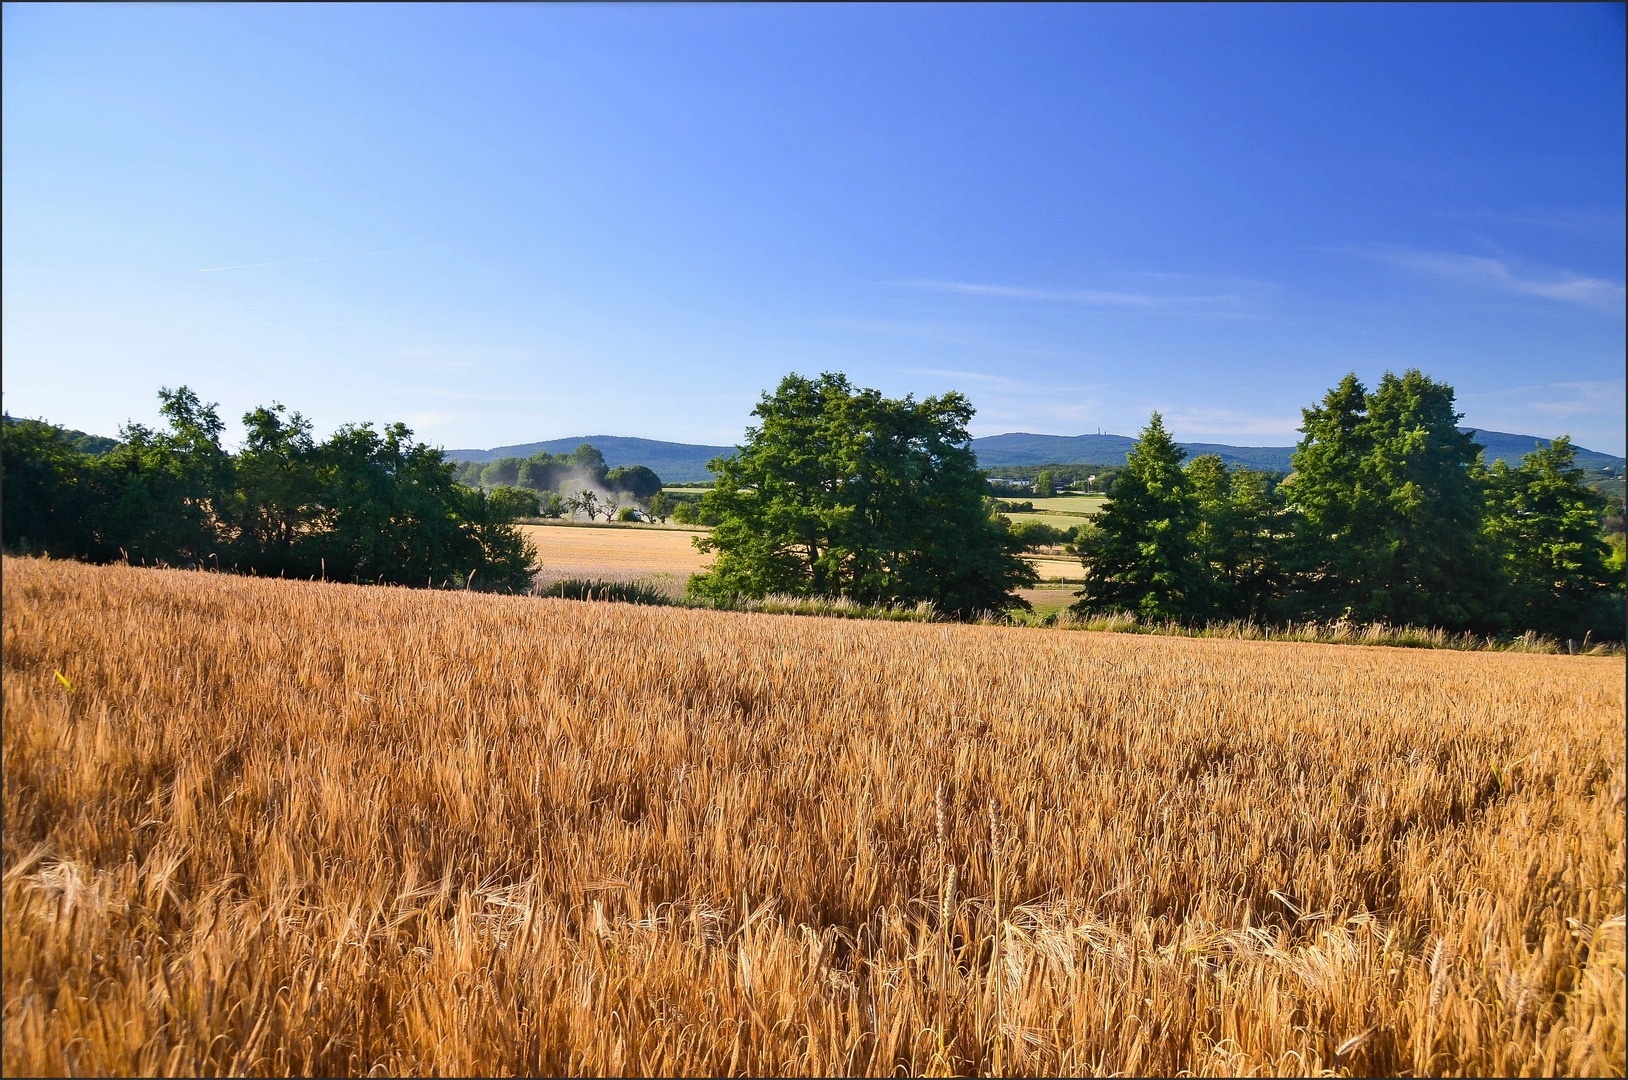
column 360, row 506
column 1390, row 515
column 563, row 485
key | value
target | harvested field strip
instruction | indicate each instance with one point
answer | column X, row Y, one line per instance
column 1057, row 567
column 618, row 554
column 263, row 826
column 565, row 551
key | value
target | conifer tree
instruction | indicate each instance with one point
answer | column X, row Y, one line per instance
column 1544, row 526
column 1390, row 495
column 1237, row 539
column 1142, row 557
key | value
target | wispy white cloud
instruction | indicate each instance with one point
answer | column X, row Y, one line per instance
column 1591, row 411
column 993, row 382
column 1592, row 398
column 291, row 262
column 959, row 334
column 1506, row 275
column 1229, row 303
column 1593, row 223
column 1192, row 422
column 1009, row 404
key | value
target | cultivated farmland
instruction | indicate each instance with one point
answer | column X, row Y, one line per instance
column 1062, row 512
column 664, row 557
column 1056, row 521
column 1089, row 505
column 286, row 827
column 1057, row 567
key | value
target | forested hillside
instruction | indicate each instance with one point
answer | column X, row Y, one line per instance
column 679, row 463
column 1021, row 448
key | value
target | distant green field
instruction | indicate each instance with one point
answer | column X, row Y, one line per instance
column 1056, row 521
column 1070, row 504
column 1049, row 600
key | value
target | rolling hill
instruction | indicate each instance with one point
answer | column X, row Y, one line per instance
column 687, row 462
column 675, row 463
column 1022, row 448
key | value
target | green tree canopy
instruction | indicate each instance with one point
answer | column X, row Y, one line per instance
column 362, row 506
column 165, row 494
column 661, row 506
column 1142, row 556
column 1037, row 534
column 569, row 473
column 1544, row 527
column 504, row 472
column 842, row 492
column 1390, row 496
column 509, row 503
column 49, row 499
column 639, row 481
column 588, row 459
column 277, row 492
column 1239, row 530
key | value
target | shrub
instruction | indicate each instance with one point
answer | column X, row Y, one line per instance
column 1037, row 534
column 623, row 592
column 513, row 502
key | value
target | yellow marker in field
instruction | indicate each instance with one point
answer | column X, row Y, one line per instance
column 64, row 681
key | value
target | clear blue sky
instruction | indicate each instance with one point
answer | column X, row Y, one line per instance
column 516, row 223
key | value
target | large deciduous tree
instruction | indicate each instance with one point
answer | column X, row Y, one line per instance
column 277, row 492
column 167, row 494
column 50, row 501
column 842, row 492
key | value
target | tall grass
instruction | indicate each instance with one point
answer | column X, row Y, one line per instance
column 644, row 590
column 1335, row 632
column 623, row 592
column 286, row 827
column 641, row 587
column 831, row 607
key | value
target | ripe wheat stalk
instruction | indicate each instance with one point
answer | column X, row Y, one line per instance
column 262, row 826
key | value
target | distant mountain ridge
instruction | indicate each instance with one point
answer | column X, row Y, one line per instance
column 675, row 463
column 687, row 462
column 1023, row 448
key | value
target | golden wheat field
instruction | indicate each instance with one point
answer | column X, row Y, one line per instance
column 664, row 557
column 1057, row 567
column 259, row 826
column 575, row 550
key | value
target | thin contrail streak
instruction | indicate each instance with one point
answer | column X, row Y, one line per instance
column 290, row 262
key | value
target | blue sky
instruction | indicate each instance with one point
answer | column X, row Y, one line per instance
column 516, row 223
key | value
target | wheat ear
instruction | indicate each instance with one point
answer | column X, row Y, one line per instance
column 1440, row 963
